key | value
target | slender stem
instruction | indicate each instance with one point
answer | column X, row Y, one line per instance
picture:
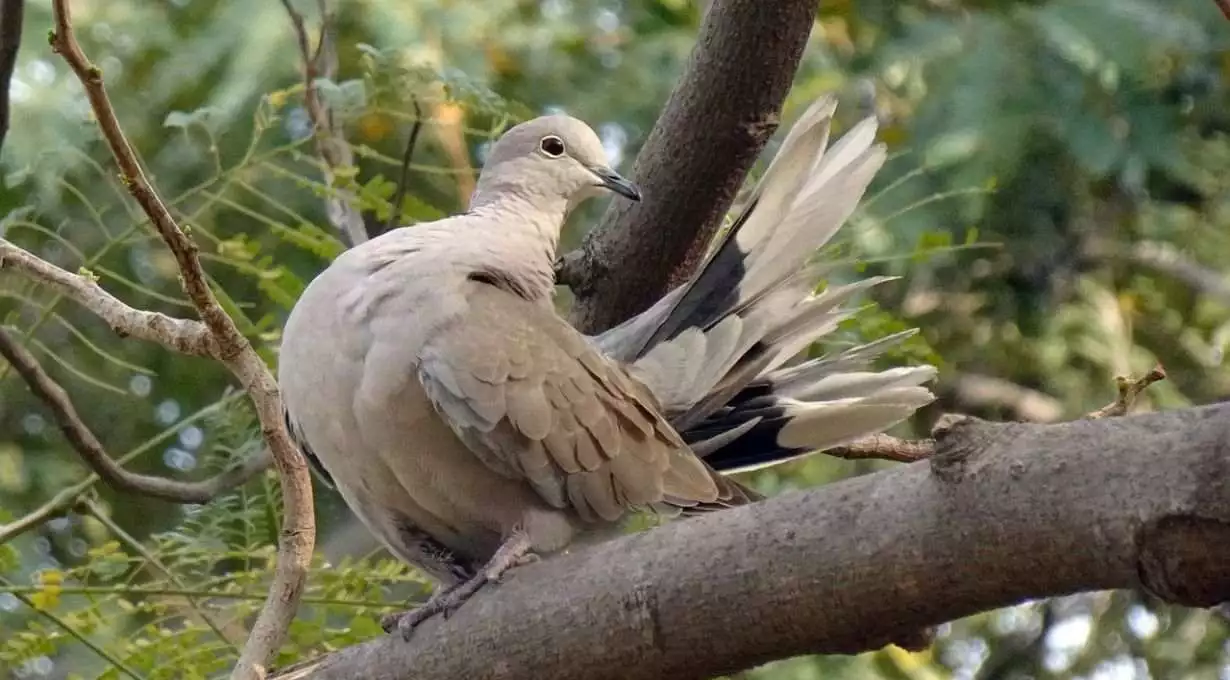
column 403, row 178
column 72, row 632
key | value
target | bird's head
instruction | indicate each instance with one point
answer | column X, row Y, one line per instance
column 554, row 158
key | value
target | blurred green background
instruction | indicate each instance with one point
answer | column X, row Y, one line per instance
column 1056, row 199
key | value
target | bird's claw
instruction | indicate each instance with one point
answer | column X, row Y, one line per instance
column 405, row 622
column 445, row 603
column 513, row 553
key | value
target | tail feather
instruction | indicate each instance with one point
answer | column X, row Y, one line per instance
column 719, row 287
column 790, row 430
column 712, row 351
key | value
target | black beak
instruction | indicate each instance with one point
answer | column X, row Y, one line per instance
column 615, row 182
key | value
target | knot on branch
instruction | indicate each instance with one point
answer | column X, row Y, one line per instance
column 575, row 269
column 641, row 603
column 762, row 127
column 1181, row 559
column 957, row 439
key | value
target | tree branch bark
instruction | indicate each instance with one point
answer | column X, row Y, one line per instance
column 1004, row 512
column 183, row 335
column 711, row 130
column 11, row 14
column 298, row 533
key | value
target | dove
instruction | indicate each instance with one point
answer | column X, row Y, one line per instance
column 428, row 377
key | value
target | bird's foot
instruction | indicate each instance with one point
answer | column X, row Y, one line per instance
column 512, row 553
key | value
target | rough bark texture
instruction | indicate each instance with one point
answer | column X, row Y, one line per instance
column 711, row 130
column 1003, row 513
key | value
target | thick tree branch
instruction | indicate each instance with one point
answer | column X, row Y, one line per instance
column 335, row 153
column 711, row 131
column 298, row 535
column 95, row 455
column 11, row 14
column 1003, row 513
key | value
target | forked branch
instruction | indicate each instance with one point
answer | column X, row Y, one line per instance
column 298, row 535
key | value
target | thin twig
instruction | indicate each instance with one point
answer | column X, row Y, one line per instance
column 335, row 153
column 1129, row 390
column 56, row 507
column 183, row 335
column 64, row 42
column 142, row 591
column 63, row 501
column 11, row 12
column 298, row 535
column 884, row 447
column 403, row 179
column 56, row 621
column 94, row 453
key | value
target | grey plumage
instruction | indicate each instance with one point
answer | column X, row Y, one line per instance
column 467, row 424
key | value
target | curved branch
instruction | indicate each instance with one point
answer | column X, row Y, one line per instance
column 298, row 535
column 1003, row 512
column 95, row 455
column 717, row 120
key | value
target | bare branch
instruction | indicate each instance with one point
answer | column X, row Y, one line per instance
column 725, row 107
column 11, row 13
column 1047, row 510
column 298, row 535
column 183, row 335
column 64, row 42
column 95, row 455
column 1129, row 390
column 884, row 447
column 403, row 178
column 1028, row 402
column 53, row 508
column 335, row 153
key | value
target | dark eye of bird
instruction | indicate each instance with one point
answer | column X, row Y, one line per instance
column 552, row 146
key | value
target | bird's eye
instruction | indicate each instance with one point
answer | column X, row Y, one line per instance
column 552, row 146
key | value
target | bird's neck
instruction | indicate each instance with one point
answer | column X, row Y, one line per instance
column 524, row 232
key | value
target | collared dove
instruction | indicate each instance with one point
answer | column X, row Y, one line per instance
column 428, row 377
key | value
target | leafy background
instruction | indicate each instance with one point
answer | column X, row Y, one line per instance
column 1056, row 199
